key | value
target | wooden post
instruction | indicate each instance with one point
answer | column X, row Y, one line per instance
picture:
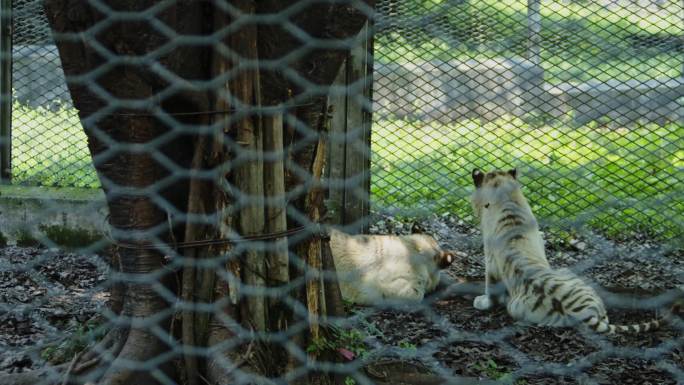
column 276, row 218
column 350, row 136
column 249, row 182
column 534, row 31
column 335, row 172
column 5, row 90
column 314, row 261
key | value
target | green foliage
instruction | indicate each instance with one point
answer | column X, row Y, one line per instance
column 339, row 338
column 408, row 345
column 562, row 239
column 620, row 181
column 349, row 381
column 319, row 345
column 579, row 41
column 491, row 369
column 353, row 340
column 81, row 336
column 26, row 239
column 69, row 237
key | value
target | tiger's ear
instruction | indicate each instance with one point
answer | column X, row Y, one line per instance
column 478, row 177
column 513, row 172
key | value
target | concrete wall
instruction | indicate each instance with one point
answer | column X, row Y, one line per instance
column 441, row 91
column 623, row 102
column 31, row 210
column 448, row 91
column 37, row 77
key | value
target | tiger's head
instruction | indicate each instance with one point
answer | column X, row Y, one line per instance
column 444, row 258
column 494, row 188
column 428, row 246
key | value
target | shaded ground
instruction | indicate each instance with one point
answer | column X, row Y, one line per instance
column 48, row 299
column 453, row 337
column 49, row 305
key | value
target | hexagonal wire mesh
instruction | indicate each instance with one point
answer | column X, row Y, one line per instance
column 211, row 163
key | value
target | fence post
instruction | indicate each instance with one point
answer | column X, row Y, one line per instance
column 351, row 123
column 534, row 31
column 335, row 170
column 5, row 90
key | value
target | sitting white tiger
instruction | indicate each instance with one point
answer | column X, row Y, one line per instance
column 514, row 255
column 373, row 268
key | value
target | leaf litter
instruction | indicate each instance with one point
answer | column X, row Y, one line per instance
column 45, row 295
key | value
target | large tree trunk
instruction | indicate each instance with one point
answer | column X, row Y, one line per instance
column 274, row 164
column 130, row 176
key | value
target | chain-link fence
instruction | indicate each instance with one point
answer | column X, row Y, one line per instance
column 551, row 83
column 229, row 137
column 49, row 147
column 585, row 97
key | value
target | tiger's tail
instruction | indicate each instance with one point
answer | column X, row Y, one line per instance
column 607, row 328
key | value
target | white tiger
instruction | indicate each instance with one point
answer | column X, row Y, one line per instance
column 515, row 257
column 373, row 268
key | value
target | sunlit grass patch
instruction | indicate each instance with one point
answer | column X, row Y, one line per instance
column 619, row 181
column 49, row 148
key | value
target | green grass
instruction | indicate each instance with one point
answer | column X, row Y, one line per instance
column 580, row 41
column 620, row 181
column 80, row 337
column 490, row 369
column 50, row 148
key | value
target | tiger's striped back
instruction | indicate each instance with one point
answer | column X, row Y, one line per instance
column 550, row 297
column 514, row 255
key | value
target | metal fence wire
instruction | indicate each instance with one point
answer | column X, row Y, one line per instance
column 231, row 139
column 48, row 144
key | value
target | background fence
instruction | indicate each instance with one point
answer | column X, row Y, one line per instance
column 584, row 97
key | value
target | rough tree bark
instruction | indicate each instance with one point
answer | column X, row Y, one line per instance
column 129, row 175
column 245, row 90
column 138, row 157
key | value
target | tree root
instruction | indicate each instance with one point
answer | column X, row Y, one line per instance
column 140, row 347
column 111, row 361
column 71, row 367
column 227, row 367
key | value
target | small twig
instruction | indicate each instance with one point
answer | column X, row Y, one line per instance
column 245, row 357
column 247, row 353
column 204, row 379
column 172, row 236
column 81, row 367
column 69, row 369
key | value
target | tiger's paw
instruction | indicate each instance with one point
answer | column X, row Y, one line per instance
column 482, row 302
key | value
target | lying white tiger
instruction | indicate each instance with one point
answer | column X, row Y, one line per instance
column 514, row 255
column 372, row 268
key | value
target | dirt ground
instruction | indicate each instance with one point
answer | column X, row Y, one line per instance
column 448, row 333
column 46, row 298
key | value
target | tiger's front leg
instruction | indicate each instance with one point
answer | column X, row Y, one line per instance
column 485, row 301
